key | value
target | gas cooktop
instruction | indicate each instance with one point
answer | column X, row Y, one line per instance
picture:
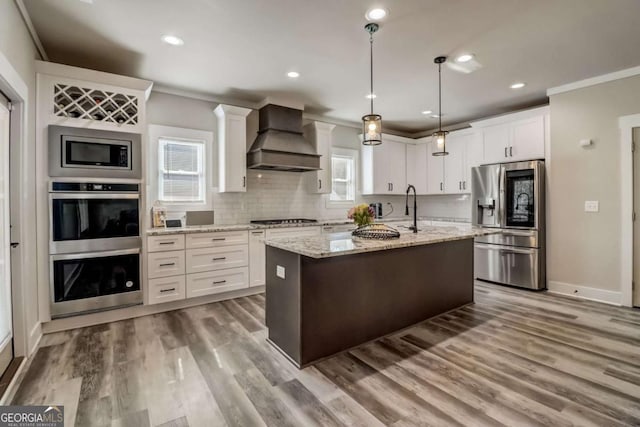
column 284, row 221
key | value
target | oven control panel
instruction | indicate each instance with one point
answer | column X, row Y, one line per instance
column 94, row 187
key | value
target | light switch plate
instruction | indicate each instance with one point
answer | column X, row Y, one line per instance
column 280, row 271
column 591, row 206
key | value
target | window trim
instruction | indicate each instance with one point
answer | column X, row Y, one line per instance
column 354, row 155
column 200, row 173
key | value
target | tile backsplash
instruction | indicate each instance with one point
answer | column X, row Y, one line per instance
column 273, row 194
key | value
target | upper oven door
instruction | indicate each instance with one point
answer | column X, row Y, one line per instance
column 91, row 222
column 95, row 153
column 523, row 196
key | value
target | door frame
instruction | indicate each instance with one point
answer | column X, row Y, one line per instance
column 626, row 125
column 12, row 85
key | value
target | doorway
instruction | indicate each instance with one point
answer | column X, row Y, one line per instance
column 6, row 313
column 636, row 222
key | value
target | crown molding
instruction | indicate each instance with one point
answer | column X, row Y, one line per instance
column 605, row 78
column 32, row 31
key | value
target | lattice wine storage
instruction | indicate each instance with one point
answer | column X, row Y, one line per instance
column 92, row 104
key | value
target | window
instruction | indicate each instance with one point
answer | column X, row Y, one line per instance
column 343, row 175
column 181, row 170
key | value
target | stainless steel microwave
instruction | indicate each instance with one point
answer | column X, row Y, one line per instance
column 89, row 153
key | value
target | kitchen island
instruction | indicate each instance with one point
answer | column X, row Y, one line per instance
column 329, row 293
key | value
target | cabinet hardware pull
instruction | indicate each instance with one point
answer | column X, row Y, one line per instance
column 218, row 239
column 392, row 186
column 441, row 189
column 459, row 185
column 244, row 182
column 222, row 258
column 167, row 290
column 255, row 233
column 168, row 264
column 166, row 243
column 219, row 282
column 505, row 151
column 511, row 151
column 464, row 185
column 319, row 184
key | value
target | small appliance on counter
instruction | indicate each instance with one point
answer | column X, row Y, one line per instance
column 194, row 218
column 292, row 221
column 377, row 209
column 510, row 197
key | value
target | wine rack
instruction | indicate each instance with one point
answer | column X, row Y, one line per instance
column 97, row 105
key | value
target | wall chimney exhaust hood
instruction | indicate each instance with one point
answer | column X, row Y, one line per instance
column 280, row 144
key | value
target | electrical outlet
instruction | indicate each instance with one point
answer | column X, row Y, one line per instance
column 591, row 206
column 280, row 271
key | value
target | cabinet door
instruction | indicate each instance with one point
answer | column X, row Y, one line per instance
column 232, row 148
column 435, row 172
column 454, row 175
column 417, row 167
column 396, row 166
column 319, row 134
column 257, row 258
column 527, row 139
column 496, row 141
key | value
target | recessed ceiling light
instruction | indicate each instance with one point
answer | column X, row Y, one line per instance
column 293, row 74
column 465, row 57
column 173, row 40
column 375, row 14
column 425, row 112
column 435, row 116
column 518, row 85
column 372, row 96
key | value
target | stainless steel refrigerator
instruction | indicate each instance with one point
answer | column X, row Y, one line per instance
column 510, row 197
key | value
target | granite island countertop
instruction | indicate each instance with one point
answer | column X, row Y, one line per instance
column 339, row 244
column 320, row 223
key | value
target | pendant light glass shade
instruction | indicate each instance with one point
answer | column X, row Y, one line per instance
column 372, row 129
column 371, row 123
column 440, row 136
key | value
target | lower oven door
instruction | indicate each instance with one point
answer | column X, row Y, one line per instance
column 508, row 265
column 94, row 281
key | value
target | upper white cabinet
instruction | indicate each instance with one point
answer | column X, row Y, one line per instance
column 435, row 170
column 319, row 135
column 515, row 137
column 232, row 148
column 384, row 166
column 417, row 167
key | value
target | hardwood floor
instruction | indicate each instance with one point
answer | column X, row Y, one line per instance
column 513, row 358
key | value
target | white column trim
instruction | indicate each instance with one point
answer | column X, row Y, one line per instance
column 626, row 124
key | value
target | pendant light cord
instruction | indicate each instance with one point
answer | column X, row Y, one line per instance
column 371, row 69
column 440, row 97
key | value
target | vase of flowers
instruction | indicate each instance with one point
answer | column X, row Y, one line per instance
column 362, row 214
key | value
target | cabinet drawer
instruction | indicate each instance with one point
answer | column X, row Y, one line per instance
column 165, row 243
column 167, row 289
column 207, row 259
column 214, row 282
column 164, row 264
column 220, row 238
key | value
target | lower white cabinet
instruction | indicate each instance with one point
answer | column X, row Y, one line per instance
column 218, row 238
column 207, row 259
column 167, row 289
column 214, row 282
column 257, row 258
column 163, row 264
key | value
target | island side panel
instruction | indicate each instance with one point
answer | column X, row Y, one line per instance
column 350, row 300
column 282, row 305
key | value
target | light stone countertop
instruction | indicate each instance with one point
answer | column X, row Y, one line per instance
column 241, row 227
column 339, row 244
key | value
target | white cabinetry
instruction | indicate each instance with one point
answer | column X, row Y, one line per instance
column 232, row 148
column 435, row 171
column 319, row 135
column 257, row 258
column 417, row 167
column 384, row 166
column 515, row 137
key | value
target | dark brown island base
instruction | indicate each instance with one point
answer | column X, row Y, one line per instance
column 327, row 294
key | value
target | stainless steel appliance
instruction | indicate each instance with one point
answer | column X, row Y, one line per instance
column 94, row 246
column 510, row 197
column 377, row 209
column 83, row 152
column 292, row 221
column 88, row 216
column 94, row 281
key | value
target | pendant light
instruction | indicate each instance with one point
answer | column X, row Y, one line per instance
column 371, row 123
column 440, row 136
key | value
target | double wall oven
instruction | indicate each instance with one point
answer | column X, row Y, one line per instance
column 94, row 223
column 510, row 197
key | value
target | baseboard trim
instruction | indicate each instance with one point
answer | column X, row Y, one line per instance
column 64, row 324
column 34, row 339
column 585, row 292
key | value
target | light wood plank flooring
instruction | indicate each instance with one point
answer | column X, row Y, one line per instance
column 513, row 358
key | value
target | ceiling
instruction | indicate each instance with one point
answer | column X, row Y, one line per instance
column 241, row 50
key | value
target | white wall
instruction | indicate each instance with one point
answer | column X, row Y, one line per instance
column 17, row 46
column 584, row 248
column 274, row 194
